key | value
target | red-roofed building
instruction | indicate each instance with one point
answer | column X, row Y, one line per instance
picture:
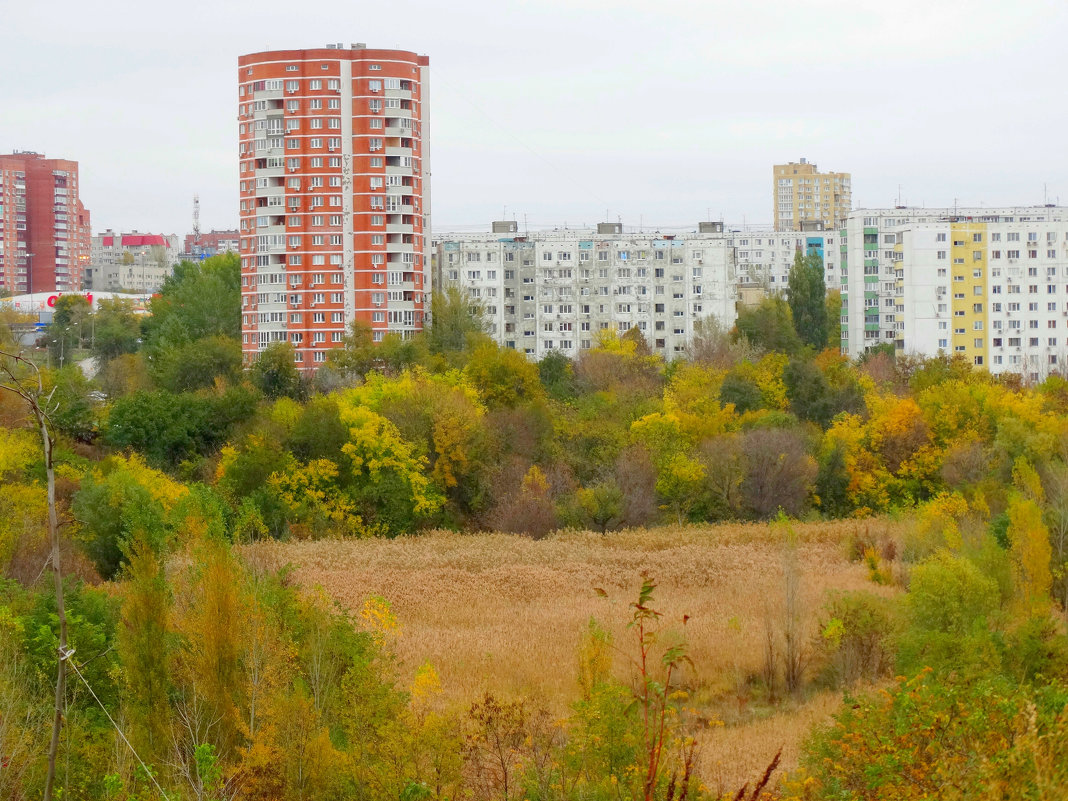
column 212, row 243
column 132, row 261
column 44, row 228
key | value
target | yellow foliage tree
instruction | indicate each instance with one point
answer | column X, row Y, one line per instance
column 692, row 397
column 1031, row 554
column 767, row 375
column 315, row 502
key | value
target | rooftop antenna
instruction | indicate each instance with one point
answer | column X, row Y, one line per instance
column 196, row 219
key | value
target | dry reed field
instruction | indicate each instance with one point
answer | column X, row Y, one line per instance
column 506, row 614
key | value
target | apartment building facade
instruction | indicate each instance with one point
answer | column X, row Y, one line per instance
column 991, row 287
column 554, row 291
column 959, row 280
column 44, row 227
column 334, row 180
column 807, row 199
column 132, row 261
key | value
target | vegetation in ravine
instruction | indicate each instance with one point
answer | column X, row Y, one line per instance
column 190, row 666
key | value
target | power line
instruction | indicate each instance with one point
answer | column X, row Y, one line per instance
column 65, row 656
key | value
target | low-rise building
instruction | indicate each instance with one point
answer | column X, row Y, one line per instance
column 212, row 243
column 132, row 261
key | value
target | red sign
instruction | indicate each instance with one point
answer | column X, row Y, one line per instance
column 53, row 298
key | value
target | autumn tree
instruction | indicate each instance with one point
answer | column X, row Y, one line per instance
column 503, row 376
column 712, row 344
column 833, row 306
column 1029, row 541
column 779, row 472
column 207, row 663
column 144, row 646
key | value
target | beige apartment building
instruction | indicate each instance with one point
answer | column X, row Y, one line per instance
column 809, row 200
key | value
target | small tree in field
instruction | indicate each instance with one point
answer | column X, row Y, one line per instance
column 657, row 663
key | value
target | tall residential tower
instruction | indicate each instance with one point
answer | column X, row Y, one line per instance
column 44, row 228
column 809, row 200
column 334, row 196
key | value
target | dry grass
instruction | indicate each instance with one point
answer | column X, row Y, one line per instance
column 505, row 613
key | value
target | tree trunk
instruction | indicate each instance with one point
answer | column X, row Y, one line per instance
column 61, row 661
column 15, row 381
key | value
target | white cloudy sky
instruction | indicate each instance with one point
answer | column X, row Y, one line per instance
column 565, row 111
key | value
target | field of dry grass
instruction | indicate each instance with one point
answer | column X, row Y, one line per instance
column 505, row 613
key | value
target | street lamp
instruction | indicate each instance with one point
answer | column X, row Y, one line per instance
column 62, row 342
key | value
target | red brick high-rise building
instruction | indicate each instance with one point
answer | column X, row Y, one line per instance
column 334, row 196
column 44, row 228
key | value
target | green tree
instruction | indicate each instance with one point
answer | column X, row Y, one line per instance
column 119, row 503
column 196, row 364
column 807, row 296
column 359, row 354
column 170, row 429
column 740, row 391
column 198, row 300
column 769, row 325
column 832, row 482
column 75, row 414
column 557, row 375
column 454, row 317
column 951, row 605
column 274, row 373
column 318, row 433
column 356, row 356
column 64, row 334
column 811, row 397
column 115, row 329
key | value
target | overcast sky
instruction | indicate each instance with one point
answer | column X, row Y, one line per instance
column 567, row 111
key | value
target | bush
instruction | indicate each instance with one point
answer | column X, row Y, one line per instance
column 926, row 739
column 951, row 606
column 857, row 638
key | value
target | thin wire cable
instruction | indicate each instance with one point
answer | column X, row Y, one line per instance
column 116, row 725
